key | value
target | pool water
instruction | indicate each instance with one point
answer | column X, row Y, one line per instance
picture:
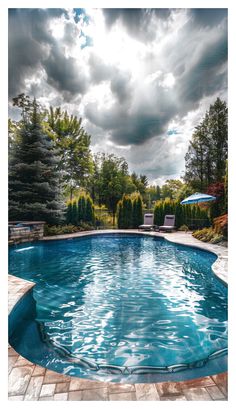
column 120, row 304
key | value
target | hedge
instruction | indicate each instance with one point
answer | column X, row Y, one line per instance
column 189, row 215
column 129, row 212
column 80, row 210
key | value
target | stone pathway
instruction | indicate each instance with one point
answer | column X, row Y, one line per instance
column 28, row 381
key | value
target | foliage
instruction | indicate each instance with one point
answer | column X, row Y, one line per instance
column 208, row 235
column 54, row 230
column 183, row 228
column 129, row 211
column 217, row 206
column 226, row 187
column 207, row 152
column 73, row 144
column 184, row 192
column 65, row 229
column 215, row 234
column 71, row 141
column 189, row 215
column 103, row 218
column 140, row 182
column 80, row 211
column 34, row 192
column 112, row 181
column 171, row 188
column 137, row 211
column 221, row 225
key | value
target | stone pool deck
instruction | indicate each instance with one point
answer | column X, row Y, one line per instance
column 28, row 381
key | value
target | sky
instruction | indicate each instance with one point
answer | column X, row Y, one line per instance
column 141, row 79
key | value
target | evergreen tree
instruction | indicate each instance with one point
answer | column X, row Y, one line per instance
column 119, row 214
column 89, row 210
column 34, row 192
column 127, row 212
column 74, row 218
column 137, row 211
column 69, row 213
column 207, row 152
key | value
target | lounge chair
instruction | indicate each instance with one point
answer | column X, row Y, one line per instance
column 169, row 223
column 148, row 222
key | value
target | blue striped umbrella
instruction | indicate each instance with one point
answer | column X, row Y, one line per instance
column 198, row 198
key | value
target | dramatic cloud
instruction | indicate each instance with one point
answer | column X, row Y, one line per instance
column 140, row 78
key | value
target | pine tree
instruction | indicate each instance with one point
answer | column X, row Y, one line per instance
column 207, row 152
column 34, row 192
column 89, row 210
column 74, row 218
column 69, row 213
column 137, row 211
column 119, row 214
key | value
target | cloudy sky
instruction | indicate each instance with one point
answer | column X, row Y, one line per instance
column 141, row 79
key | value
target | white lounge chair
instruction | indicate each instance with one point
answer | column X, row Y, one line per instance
column 148, row 222
column 169, row 223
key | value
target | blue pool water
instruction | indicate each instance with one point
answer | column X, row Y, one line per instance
column 119, row 304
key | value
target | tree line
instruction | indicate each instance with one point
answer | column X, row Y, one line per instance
column 50, row 162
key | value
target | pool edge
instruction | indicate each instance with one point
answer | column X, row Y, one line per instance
column 27, row 370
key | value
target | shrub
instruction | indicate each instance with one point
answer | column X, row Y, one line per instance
column 129, row 211
column 208, row 235
column 69, row 213
column 74, row 215
column 55, row 230
column 137, row 211
column 80, row 211
column 221, row 225
column 189, row 215
column 183, row 228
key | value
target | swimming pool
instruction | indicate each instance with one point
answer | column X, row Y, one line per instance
column 120, row 307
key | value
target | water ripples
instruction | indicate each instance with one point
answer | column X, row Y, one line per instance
column 126, row 301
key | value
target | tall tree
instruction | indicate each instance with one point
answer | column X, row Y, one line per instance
column 171, row 188
column 34, row 191
column 73, row 144
column 207, row 151
column 113, row 181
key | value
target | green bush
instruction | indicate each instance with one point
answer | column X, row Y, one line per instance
column 137, row 211
column 55, row 230
column 208, row 235
column 66, row 229
column 80, row 211
column 183, row 228
column 190, row 215
column 129, row 211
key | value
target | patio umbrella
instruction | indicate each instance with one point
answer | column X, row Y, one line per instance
column 198, row 198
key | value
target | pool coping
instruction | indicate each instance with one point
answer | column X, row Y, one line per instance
column 28, row 381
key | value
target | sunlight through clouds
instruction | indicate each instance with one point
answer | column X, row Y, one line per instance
column 140, row 78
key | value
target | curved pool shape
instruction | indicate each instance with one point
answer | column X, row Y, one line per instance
column 120, row 306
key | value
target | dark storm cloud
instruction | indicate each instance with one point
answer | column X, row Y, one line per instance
column 28, row 40
column 135, row 125
column 120, row 86
column 197, row 57
column 137, row 21
column 32, row 46
column 205, row 77
column 207, row 17
column 99, row 71
column 63, row 73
